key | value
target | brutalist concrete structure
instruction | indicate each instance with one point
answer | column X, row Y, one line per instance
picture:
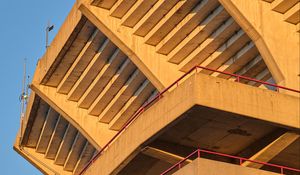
column 134, row 86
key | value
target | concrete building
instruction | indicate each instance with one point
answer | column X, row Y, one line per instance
column 117, row 91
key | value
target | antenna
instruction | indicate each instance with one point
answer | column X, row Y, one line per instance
column 23, row 98
column 48, row 29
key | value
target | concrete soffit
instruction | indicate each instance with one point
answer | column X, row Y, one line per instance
column 159, row 80
column 267, row 56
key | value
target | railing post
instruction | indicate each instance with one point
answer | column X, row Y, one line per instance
column 179, row 165
column 198, row 153
column 241, row 161
column 238, row 78
column 281, row 170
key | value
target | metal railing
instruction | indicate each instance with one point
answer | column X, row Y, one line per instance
column 241, row 161
column 160, row 95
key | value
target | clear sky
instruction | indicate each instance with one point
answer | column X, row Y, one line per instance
column 22, row 35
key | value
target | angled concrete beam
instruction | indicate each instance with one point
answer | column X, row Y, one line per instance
column 132, row 105
column 65, row 146
column 101, row 80
column 85, row 156
column 293, row 14
column 47, row 131
column 216, row 39
column 224, row 52
column 249, row 66
column 181, row 30
column 67, row 82
column 91, row 70
column 268, row 0
column 263, row 76
column 152, row 64
column 122, row 97
column 261, row 143
column 283, row 6
column 38, row 160
column 153, row 16
column 74, row 153
column 112, row 87
column 251, row 69
column 273, row 149
column 121, row 7
column 136, row 12
column 236, row 62
column 167, row 22
column 56, row 138
column 107, row 4
column 38, row 124
column 163, row 155
column 67, row 32
column 273, row 50
column 198, row 89
column 198, row 35
column 61, row 65
column 96, row 133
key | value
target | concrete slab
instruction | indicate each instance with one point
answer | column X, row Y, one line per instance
column 219, row 94
column 208, row 167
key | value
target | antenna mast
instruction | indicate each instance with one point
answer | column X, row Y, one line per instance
column 23, row 99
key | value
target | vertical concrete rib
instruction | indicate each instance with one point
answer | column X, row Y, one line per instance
column 133, row 104
column 241, row 58
column 38, row 124
column 121, row 7
column 92, row 70
column 73, row 51
column 48, row 128
column 190, row 22
column 56, row 138
column 211, row 44
column 78, row 65
column 169, row 21
column 153, row 16
column 113, row 86
column 209, row 24
column 101, row 80
column 107, row 4
column 136, row 12
column 227, row 50
column 122, row 96
column 75, row 152
column 65, row 145
column 86, row 155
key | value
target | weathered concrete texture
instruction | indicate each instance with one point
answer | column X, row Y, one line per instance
column 272, row 44
column 209, row 167
column 97, row 133
column 175, row 36
column 46, row 166
column 201, row 90
column 110, row 56
column 153, row 65
column 54, row 141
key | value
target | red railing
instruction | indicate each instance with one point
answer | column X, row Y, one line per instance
column 159, row 96
column 241, row 160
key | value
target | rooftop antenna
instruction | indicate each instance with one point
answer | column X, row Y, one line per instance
column 48, row 29
column 23, row 98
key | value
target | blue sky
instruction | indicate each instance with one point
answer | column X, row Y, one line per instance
column 22, row 35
